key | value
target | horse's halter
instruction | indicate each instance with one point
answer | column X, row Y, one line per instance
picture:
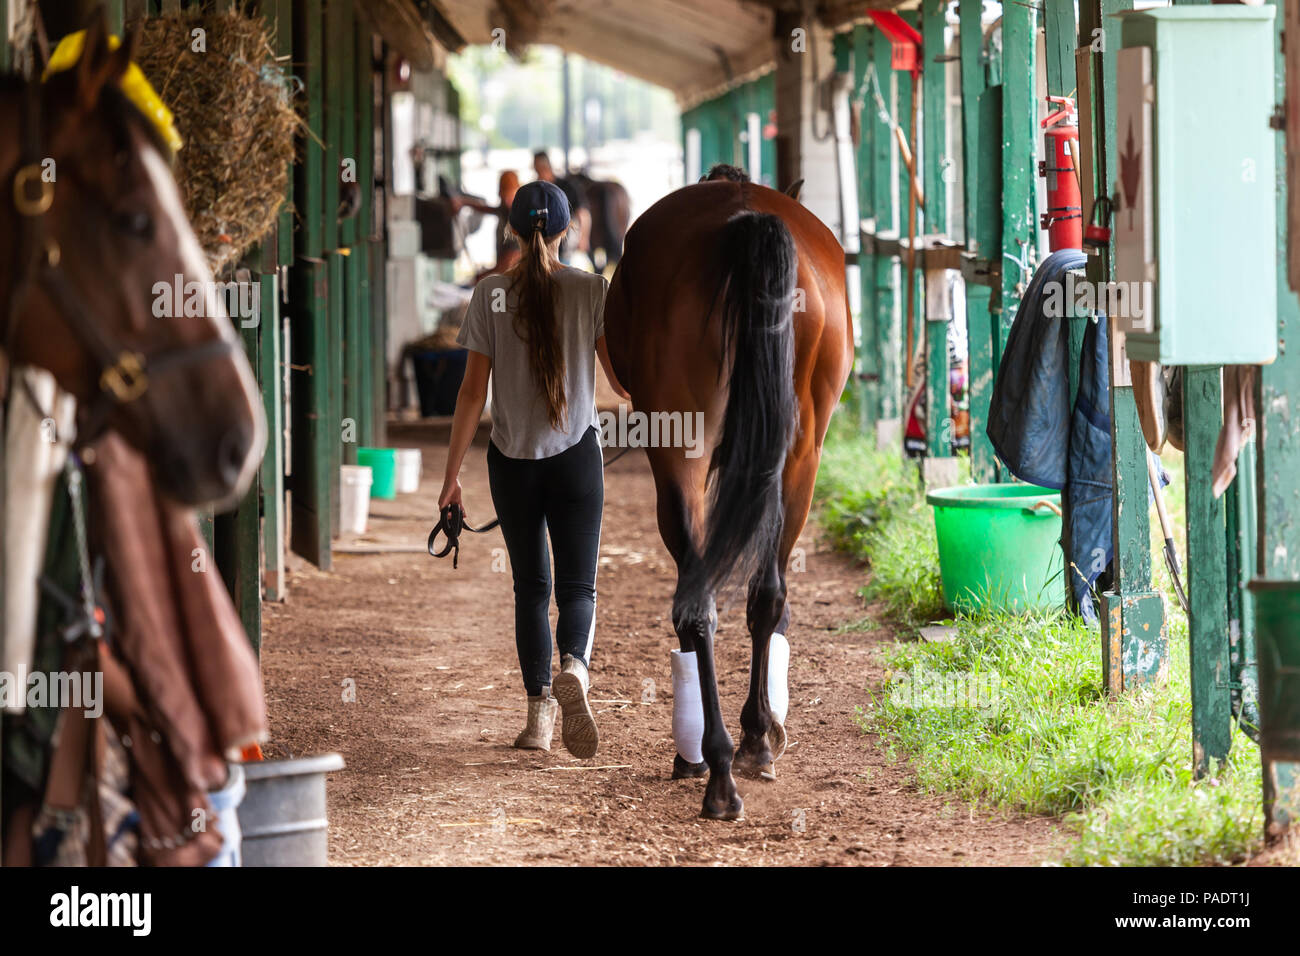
column 123, row 372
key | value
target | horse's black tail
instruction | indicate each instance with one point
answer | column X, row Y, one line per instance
column 745, row 511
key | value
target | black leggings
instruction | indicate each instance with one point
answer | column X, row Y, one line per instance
column 563, row 494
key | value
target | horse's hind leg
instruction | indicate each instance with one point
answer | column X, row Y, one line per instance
column 694, row 619
column 765, row 610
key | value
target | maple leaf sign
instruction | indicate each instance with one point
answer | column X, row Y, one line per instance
column 1130, row 171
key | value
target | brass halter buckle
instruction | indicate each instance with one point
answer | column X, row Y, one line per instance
column 125, row 380
column 23, row 202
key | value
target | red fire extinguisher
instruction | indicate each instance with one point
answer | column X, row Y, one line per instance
column 1064, row 217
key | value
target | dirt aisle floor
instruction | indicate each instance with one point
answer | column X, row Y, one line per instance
column 432, row 779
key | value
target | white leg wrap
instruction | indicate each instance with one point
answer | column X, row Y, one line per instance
column 688, row 708
column 778, row 667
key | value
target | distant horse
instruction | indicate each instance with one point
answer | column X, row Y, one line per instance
column 80, row 258
column 731, row 301
column 611, row 213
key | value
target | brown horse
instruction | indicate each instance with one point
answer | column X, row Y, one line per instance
column 611, row 212
column 731, row 301
column 91, row 227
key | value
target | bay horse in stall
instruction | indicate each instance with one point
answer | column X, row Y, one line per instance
column 79, row 260
column 731, row 300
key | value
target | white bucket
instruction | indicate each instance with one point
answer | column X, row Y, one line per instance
column 354, row 498
column 409, row 464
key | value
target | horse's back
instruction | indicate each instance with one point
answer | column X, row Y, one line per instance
column 668, row 284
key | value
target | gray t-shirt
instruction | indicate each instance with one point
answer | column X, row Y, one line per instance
column 520, row 428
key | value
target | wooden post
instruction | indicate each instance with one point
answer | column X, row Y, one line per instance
column 1278, row 477
column 363, row 246
column 1019, row 225
column 314, row 431
column 1207, row 575
column 336, row 39
column 979, row 333
column 276, row 252
column 1133, row 639
column 884, row 189
column 869, row 360
column 356, row 346
column 270, row 372
column 935, row 159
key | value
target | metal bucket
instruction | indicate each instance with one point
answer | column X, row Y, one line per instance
column 1277, row 646
column 283, row 813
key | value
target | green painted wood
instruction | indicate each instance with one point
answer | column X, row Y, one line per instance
column 1278, row 476
column 280, row 13
column 1019, row 222
column 1207, row 573
column 244, row 549
column 903, row 117
column 934, row 163
column 866, row 394
column 271, row 378
column 312, row 428
column 974, row 81
column 337, row 321
column 934, row 137
column 1207, row 576
column 115, row 12
column 356, row 346
column 983, row 301
column 338, row 42
column 885, row 209
column 1133, row 635
column 365, row 231
column 1060, row 30
column 237, row 552
column 275, row 253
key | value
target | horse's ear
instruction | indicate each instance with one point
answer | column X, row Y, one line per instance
column 94, row 66
column 794, row 189
column 125, row 53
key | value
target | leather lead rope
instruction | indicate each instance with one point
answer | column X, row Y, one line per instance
column 451, row 522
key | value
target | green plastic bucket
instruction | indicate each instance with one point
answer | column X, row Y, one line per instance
column 1277, row 645
column 999, row 546
column 382, row 463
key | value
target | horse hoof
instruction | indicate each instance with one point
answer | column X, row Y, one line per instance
column 734, row 809
column 721, row 801
column 754, row 768
column 776, row 738
column 683, row 769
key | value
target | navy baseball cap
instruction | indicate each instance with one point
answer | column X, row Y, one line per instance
column 539, row 201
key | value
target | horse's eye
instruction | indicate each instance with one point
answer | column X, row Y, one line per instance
column 138, row 224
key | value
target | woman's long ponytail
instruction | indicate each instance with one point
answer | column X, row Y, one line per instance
column 537, row 320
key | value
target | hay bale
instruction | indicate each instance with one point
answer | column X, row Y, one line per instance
column 234, row 109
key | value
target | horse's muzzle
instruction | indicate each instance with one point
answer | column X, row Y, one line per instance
column 209, row 470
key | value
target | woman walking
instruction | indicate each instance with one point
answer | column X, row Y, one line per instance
column 540, row 327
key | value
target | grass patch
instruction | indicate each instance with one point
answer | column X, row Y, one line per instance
column 872, row 506
column 1011, row 712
